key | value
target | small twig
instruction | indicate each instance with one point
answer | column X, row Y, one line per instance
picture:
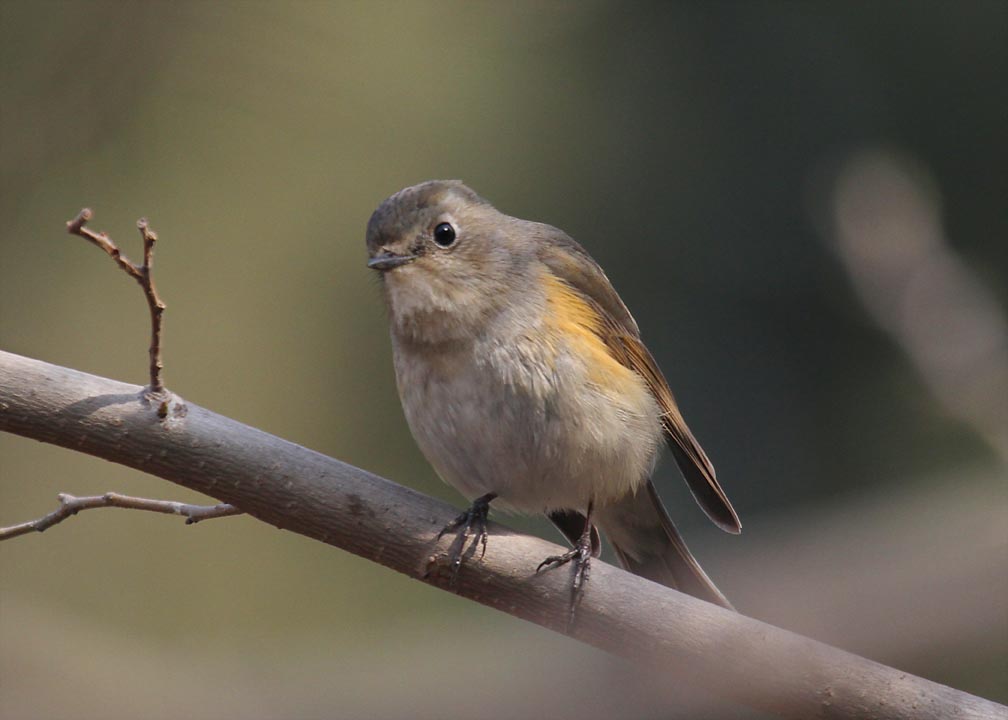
column 70, row 505
column 140, row 273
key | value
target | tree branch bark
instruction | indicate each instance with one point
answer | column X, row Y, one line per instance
column 294, row 488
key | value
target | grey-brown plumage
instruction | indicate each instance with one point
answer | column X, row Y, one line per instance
column 524, row 379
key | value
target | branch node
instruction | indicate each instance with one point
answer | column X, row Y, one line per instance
column 75, row 225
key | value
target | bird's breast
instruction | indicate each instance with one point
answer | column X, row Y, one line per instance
column 534, row 409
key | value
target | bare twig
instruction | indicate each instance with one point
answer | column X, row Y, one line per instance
column 140, row 273
column 70, row 505
column 292, row 487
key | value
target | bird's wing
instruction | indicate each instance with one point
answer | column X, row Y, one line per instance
column 618, row 330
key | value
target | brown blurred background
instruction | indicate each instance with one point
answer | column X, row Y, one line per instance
column 802, row 203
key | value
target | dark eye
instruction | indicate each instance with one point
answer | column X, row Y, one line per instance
column 444, row 235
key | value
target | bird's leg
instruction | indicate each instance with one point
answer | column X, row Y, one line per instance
column 475, row 518
column 581, row 556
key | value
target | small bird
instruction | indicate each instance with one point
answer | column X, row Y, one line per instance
column 525, row 383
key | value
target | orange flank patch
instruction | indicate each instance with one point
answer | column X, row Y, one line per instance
column 574, row 322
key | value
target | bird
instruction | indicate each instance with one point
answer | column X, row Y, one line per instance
column 526, row 384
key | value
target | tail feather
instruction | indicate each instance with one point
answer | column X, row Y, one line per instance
column 648, row 544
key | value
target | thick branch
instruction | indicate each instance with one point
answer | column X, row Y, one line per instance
column 70, row 505
column 294, row 488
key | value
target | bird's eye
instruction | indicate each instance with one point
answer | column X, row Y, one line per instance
column 444, row 235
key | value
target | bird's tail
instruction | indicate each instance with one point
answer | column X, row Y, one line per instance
column 648, row 544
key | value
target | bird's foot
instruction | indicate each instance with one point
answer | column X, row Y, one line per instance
column 581, row 556
column 471, row 523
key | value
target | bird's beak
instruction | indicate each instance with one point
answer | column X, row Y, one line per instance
column 388, row 260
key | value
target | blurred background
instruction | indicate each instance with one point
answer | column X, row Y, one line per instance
column 804, row 205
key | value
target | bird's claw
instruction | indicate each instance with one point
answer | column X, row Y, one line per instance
column 581, row 556
column 471, row 523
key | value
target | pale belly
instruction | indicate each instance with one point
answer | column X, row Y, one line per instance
column 540, row 432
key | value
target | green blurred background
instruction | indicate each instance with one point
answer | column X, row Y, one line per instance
column 698, row 150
